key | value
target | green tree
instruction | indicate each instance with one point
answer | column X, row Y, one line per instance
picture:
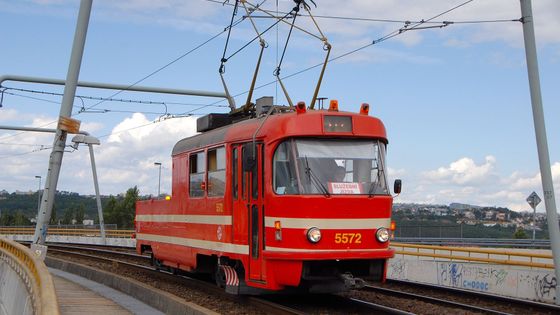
column 53, row 220
column 121, row 211
column 67, row 216
column 6, row 219
column 20, row 219
column 79, row 213
column 520, row 234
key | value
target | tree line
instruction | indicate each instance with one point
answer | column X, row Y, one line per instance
column 17, row 210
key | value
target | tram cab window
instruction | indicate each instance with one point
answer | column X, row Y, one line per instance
column 284, row 175
column 197, row 167
column 216, row 172
column 328, row 166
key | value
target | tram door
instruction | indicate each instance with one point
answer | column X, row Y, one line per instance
column 252, row 173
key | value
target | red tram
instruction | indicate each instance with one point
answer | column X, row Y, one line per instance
column 296, row 200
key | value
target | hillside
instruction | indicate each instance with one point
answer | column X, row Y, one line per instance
column 26, row 204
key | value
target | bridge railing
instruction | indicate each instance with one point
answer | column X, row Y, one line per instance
column 17, row 261
column 68, row 232
column 512, row 257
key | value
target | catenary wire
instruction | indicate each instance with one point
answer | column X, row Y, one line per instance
column 381, row 39
column 390, row 35
column 361, row 19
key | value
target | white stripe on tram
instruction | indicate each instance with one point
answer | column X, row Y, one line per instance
column 306, row 223
column 217, row 246
column 307, row 250
column 181, row 218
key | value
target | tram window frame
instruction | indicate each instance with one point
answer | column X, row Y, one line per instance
column 244, row 178
column 235, row 173
column 255, row 179
column 216, row 169
column 197, row 169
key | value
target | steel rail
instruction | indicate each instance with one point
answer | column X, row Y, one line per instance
column 433, row 300
column 378, row 307
column 494, row 297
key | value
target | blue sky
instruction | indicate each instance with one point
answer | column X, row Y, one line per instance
column 455, row 100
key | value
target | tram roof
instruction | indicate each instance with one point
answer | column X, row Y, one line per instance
column 283, row 125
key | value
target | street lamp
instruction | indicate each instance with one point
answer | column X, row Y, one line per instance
column 38, row 194
column 90, row 141
column 159, row 178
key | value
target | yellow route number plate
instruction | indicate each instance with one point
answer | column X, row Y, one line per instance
column 348, row 238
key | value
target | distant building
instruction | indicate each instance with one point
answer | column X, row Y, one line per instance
column 489, row 215
column 87, row 222
column 501, row 216
column 469, row 215
column 22, row 193
column 4, row 192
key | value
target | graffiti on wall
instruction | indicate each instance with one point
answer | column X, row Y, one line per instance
column 543, row 285
column 396, row 269
column 536, row 285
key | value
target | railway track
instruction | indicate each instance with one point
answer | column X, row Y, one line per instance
column 284, row 305
column 469, row 301
column 357, row 302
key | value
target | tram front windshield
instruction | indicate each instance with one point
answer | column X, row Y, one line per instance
column 330, row 167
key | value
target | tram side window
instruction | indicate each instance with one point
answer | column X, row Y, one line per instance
column 216, row 172
column 197, row 170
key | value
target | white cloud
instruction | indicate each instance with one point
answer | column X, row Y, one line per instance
column 124, row 160
column 463, row 171
column 465, row 181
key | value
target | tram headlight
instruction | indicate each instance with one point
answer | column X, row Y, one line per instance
column 382, row 235
column 314, row 235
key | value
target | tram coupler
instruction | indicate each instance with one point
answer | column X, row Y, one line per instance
column 351, row 283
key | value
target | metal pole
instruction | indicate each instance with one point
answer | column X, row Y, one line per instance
column 540, row 133
column 38, row 193
column 112, row 86
column 534, row 221
column 55, row 160
column 97, row 196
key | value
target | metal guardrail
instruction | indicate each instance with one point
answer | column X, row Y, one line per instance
column 34, row 274
column 68, row 232
column 494, row 256
column 483, row 242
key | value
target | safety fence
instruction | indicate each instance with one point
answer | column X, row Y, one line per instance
column 512, row 257
column 87, row 232
column 23, row 272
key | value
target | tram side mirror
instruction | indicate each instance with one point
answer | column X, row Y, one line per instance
column 397, row 186
column 248, row 161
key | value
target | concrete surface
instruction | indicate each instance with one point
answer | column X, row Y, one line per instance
column 78, row 295
column 161, row 300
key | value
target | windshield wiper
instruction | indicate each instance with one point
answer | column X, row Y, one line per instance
column 314, row 180
column 373, row 186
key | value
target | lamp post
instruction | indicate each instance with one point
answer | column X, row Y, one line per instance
column 38, row 194
column 159, row 179
column 90, row 141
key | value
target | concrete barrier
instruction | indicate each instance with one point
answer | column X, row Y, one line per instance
column 26, row 286
column 513, row 281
